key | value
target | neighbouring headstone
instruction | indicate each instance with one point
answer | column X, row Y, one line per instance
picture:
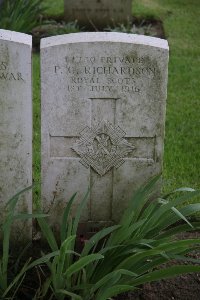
column 103, row 115
column 98, row 13
column 15, row 122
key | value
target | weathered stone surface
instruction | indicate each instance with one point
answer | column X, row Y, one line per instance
column 98, row 13
column 15, row 121
column 103, row 116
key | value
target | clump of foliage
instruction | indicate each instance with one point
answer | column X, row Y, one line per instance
column 51, row 28
column 129, row 27
column 11, row 276
column 121, row 257
column 64, row 28
column 20, row 15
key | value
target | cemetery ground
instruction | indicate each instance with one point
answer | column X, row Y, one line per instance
column 182, row 156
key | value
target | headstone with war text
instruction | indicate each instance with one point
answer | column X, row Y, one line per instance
column 103, row 116
column 15, row 122
column 98, row 13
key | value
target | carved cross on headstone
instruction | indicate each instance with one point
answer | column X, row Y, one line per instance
column 102, row 147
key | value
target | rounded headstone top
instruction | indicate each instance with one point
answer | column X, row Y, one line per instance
column 115, row 37
column 16, row 37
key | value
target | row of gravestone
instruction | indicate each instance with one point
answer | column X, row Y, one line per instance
column 98, row 13
column 103, row 99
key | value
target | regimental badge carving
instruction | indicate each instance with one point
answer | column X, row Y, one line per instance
column 102, row 147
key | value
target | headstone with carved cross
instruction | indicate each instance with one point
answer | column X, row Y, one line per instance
column 15, row 123
column 98, row 13
column 103, row 116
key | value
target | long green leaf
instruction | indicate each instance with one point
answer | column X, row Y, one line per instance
column 67, row 293
column 165, row 273
column 107, row 277
column 43, row 259
column 97, row 237
column 81, row 263
column 178, row 229
column 114, row 291
column 62, row 257
column 16, row 196
column 130, row 261
column 177, row 201
column 79, row 211
column 178, row 243
column 11, row 204
column 124, row 233
column 168, row 220
column 161, row 215
column 138, row 201
column 181, row 216
column 163, row 249
column 149, row 265
column 45, row 287
column 183, row 189
column 63, row 228
column 17, row 279
column 48, row 234
column 6, row 242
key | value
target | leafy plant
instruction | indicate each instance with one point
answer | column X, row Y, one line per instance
column 20, row 15
column 121, row 257
column 55, row 28
column 129, row 27
column 51, row 28
column 11, row 281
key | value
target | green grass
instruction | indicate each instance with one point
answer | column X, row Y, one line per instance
column 54, row 7
column 182, row 143
column 36, row 127
column 181, row 23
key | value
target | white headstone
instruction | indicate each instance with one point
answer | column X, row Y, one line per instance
column 98, row 13
column 103, row 116
column 15, row 121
